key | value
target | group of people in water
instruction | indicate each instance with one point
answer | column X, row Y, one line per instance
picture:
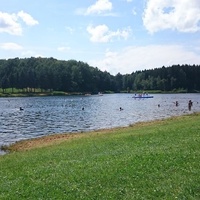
column 190, row 104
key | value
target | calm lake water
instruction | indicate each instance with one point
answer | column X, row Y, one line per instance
column 48, row 115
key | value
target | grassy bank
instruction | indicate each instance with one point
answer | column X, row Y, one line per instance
column 153, row 160
column 32, row 94
column 9, row 92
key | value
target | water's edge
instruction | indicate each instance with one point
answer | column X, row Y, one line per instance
column 42, row 116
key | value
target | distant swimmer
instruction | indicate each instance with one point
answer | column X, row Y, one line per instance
column 190, row 103
column 20, row 108
column 121, row 109
column 158, row 105
column 83, row 108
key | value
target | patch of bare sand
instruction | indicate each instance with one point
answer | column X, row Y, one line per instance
column 49, row 140
column 42, row 142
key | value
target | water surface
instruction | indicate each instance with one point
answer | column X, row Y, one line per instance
column 48, row 115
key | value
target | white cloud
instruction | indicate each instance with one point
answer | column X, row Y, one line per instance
column 9, row 23
column 10, row 46
column 99, row 7
column 136, row 58
column 101, row 33
column 183, row 15
column 30, row 53
column 28, row 19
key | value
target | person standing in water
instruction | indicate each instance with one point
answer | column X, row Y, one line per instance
column 190, row 105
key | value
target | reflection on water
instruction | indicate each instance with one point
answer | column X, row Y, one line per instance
column 47, row 115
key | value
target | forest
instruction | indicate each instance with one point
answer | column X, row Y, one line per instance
column 49, row 74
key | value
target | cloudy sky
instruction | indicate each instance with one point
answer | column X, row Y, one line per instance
column 114, row 35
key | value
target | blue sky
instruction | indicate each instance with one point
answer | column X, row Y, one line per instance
column 114, row 35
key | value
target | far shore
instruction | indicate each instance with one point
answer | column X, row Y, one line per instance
column 61, row 93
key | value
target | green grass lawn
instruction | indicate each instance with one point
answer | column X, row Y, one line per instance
column 153, row 160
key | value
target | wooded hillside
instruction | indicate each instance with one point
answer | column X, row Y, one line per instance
column 76, row 76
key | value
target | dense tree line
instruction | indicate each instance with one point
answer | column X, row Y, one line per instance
column 29, row 74
column 176, row 77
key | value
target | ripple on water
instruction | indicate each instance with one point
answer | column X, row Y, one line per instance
column 48, row 115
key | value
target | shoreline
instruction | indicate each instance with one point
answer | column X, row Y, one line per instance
column 46, row 94
column 154, row 160
column 55, row 139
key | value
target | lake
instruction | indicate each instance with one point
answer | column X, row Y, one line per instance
column 49, row 115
